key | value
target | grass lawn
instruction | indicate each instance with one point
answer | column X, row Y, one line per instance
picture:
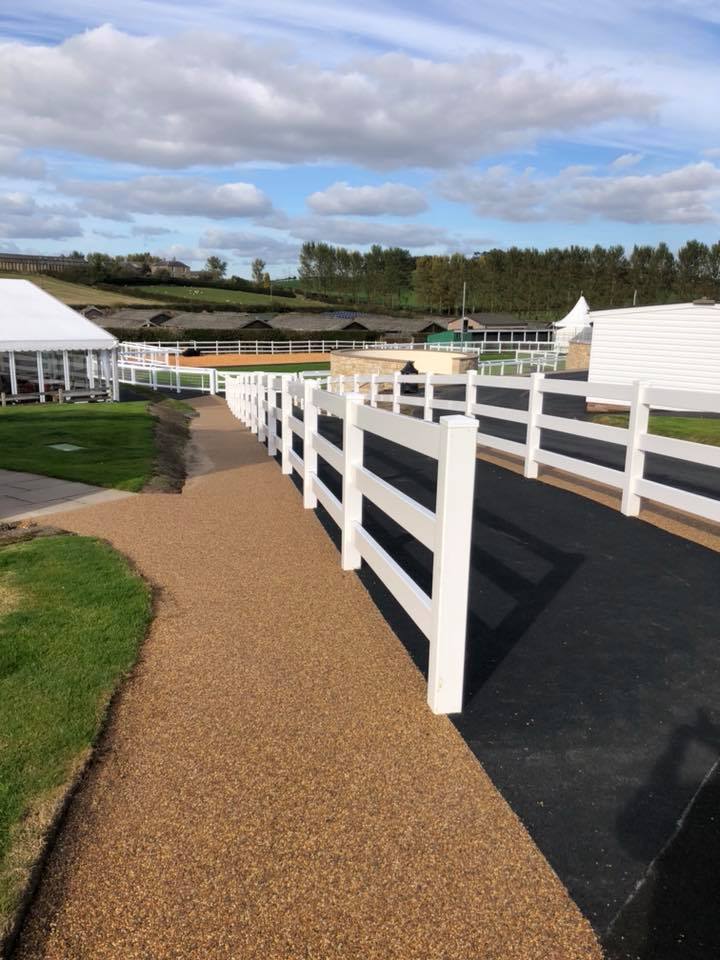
column 216, row 295
column 117, row 441
column 72, row 616
column 696, row 429
column 77, row 294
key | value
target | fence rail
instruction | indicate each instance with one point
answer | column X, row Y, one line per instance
column 280, row 407
column 487, row 341
column 446, row 531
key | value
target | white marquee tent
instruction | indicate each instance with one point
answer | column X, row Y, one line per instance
column 571, row 324
column 46, row 346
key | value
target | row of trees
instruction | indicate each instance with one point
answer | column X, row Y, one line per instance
column 380, row 276
column 533, row 283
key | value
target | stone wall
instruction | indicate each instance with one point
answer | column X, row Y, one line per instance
column 386, row 362
column 578, row 356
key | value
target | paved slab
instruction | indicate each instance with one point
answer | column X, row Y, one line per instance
column 26, row 495
column 273, row 785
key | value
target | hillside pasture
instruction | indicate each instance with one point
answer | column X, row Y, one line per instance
column 78, row 294
column 217, row 296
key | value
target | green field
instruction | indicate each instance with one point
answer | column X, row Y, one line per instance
column 217, row 296
column 695, row 429
column 117, row 441
column 72, row 616
column 77, row 294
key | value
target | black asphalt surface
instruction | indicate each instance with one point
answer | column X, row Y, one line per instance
column 592, row 692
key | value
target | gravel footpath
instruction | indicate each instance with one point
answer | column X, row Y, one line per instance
column 272, row 784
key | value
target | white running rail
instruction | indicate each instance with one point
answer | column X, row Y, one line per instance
column 493, row 341
column 262, row 401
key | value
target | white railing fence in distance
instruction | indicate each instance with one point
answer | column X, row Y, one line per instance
column 490, row 341
column 262, row 401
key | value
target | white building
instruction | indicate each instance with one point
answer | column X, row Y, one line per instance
column 46, row 346
column 676, row 345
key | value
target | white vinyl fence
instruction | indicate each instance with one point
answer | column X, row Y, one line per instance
column 262, row 401
column 490, row 341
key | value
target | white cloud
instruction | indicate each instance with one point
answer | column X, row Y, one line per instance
column 150, row 231
column 690, row 194
column 200, row 99
column 248, row 245
column 178, row 196
column 15, row 163
column 21, row 217
column 388, row 198
column 626, row 160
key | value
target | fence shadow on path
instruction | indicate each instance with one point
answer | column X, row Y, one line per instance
column 675, row 911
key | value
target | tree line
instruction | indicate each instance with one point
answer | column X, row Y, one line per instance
column 536, row 284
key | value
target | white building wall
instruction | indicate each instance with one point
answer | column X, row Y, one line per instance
column 675, row 345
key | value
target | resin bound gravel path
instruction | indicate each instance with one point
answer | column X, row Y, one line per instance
column 272, row 784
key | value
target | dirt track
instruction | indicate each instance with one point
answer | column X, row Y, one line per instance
column 252, row 359
column 273, row 784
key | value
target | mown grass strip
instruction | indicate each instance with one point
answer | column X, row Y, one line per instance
column 72, row 617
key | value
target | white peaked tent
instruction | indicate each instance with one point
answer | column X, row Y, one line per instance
column 45, row 345
column 571, row 325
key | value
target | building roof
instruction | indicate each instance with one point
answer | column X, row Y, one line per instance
column 492, row 321
column 689, row 311
column 211, row 320
column 128, row 317
column 31, row 319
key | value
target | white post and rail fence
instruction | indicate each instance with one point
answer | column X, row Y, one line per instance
column 269, row 406
column 262, row 401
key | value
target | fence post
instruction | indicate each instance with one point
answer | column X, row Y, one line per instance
column 261, row 431
column 428, row 398
column 373, row 389
column 451, row 562
column 254, row 391
column 353, row 438
column 285, row 411
column 213, row 381
column 272, row 418
column 470, row 392
column 532, row 440
column 396, row 392
column 310, row 419
column 634, row 456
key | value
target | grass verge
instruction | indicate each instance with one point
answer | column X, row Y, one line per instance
column 72, row 617
column 696, row 429
column 118, row 442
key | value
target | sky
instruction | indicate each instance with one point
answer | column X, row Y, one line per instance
column 242, row 128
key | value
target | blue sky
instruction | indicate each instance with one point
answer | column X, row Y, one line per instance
column 243, row 128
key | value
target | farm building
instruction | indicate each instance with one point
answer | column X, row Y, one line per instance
column 46, row 347
column 674, row 345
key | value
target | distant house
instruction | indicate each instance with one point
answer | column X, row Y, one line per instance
column 176, row 268
column 92, row 312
